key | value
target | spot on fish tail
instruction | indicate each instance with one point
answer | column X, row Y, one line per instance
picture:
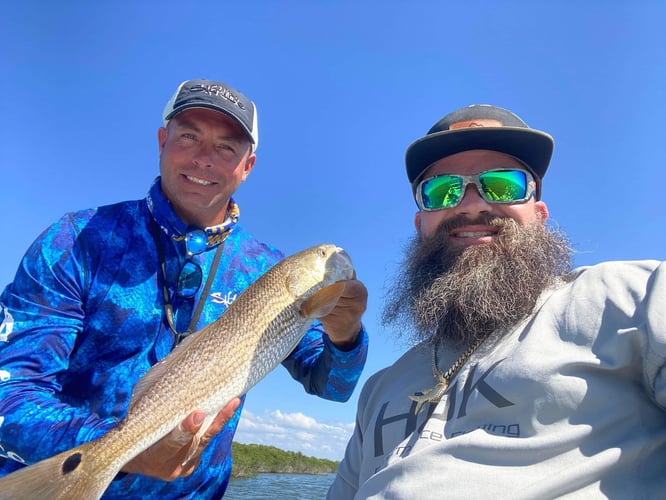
column 71, row 463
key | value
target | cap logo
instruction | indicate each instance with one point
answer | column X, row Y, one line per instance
column 479, row 122
column 218, row 91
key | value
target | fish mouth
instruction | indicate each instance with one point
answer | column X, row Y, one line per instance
column 344, row 262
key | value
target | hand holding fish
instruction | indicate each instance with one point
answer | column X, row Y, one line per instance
column 343, row 323
column 164, row 459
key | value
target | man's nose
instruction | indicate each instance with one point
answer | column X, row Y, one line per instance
column 204, row 156
column 472, row 203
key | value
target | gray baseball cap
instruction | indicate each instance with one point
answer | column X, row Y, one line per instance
column 217, row 96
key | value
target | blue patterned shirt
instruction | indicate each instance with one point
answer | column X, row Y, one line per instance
column 83, row 320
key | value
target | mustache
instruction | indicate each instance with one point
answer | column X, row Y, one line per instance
column 459, row 221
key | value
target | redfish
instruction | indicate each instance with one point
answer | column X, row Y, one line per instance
column 221, row 361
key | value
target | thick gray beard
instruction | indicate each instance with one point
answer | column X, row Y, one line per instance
column 453, row 295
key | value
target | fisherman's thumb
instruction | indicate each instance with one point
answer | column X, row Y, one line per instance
column 187, row 429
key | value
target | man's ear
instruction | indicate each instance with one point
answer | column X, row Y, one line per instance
column 542, row 211
column 417, row 221
column 249, row 165
column 161, row 138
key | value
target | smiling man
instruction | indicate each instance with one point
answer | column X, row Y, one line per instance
column 527, row 379
column 103, row 294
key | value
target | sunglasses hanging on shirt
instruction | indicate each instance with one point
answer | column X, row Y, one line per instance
column 190, row 277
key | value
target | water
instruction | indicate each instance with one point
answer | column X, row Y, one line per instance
column 282, row 486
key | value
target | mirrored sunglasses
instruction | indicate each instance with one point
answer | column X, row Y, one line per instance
column 191, row 275
column 501, row 185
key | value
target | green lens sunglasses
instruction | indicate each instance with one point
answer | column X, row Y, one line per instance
column 502, row 185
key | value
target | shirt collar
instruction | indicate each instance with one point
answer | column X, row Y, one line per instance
column 163, row 212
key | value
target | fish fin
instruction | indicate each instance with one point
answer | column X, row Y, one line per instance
column 71, row 474
column 145, row 382
column 322, row 302
column 197, row 438
column 159, row 369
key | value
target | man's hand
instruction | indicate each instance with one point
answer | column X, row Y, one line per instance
column 164, row 459
column 343, row 323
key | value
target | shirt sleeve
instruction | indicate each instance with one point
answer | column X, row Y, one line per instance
column 346, row 482
column 325, row 370
column 41, row 315
column 655, row 313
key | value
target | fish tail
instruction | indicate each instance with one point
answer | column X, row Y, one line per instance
column 71, row 474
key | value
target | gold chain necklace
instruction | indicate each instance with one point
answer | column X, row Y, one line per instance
column 434, row 394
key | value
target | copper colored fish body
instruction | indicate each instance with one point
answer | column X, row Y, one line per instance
column 221, row 361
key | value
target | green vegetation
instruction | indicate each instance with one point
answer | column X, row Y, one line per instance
column 252, row 459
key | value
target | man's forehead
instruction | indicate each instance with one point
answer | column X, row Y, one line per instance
column 189, row 118
column 471, row 162
column 478, row 156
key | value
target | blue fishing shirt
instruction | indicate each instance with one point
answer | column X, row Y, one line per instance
column 83, row 320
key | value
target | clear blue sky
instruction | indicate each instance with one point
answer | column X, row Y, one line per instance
column 342, row 88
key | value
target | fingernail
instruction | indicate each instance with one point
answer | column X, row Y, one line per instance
column 198, row 418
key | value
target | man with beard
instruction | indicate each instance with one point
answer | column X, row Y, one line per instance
column 527, row 379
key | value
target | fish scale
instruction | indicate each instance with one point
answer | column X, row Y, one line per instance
column 209, row 368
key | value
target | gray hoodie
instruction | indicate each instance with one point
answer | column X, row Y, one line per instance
column 570, row 403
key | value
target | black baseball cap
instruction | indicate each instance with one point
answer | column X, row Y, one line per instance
column 481, row 126
column 217, row 96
